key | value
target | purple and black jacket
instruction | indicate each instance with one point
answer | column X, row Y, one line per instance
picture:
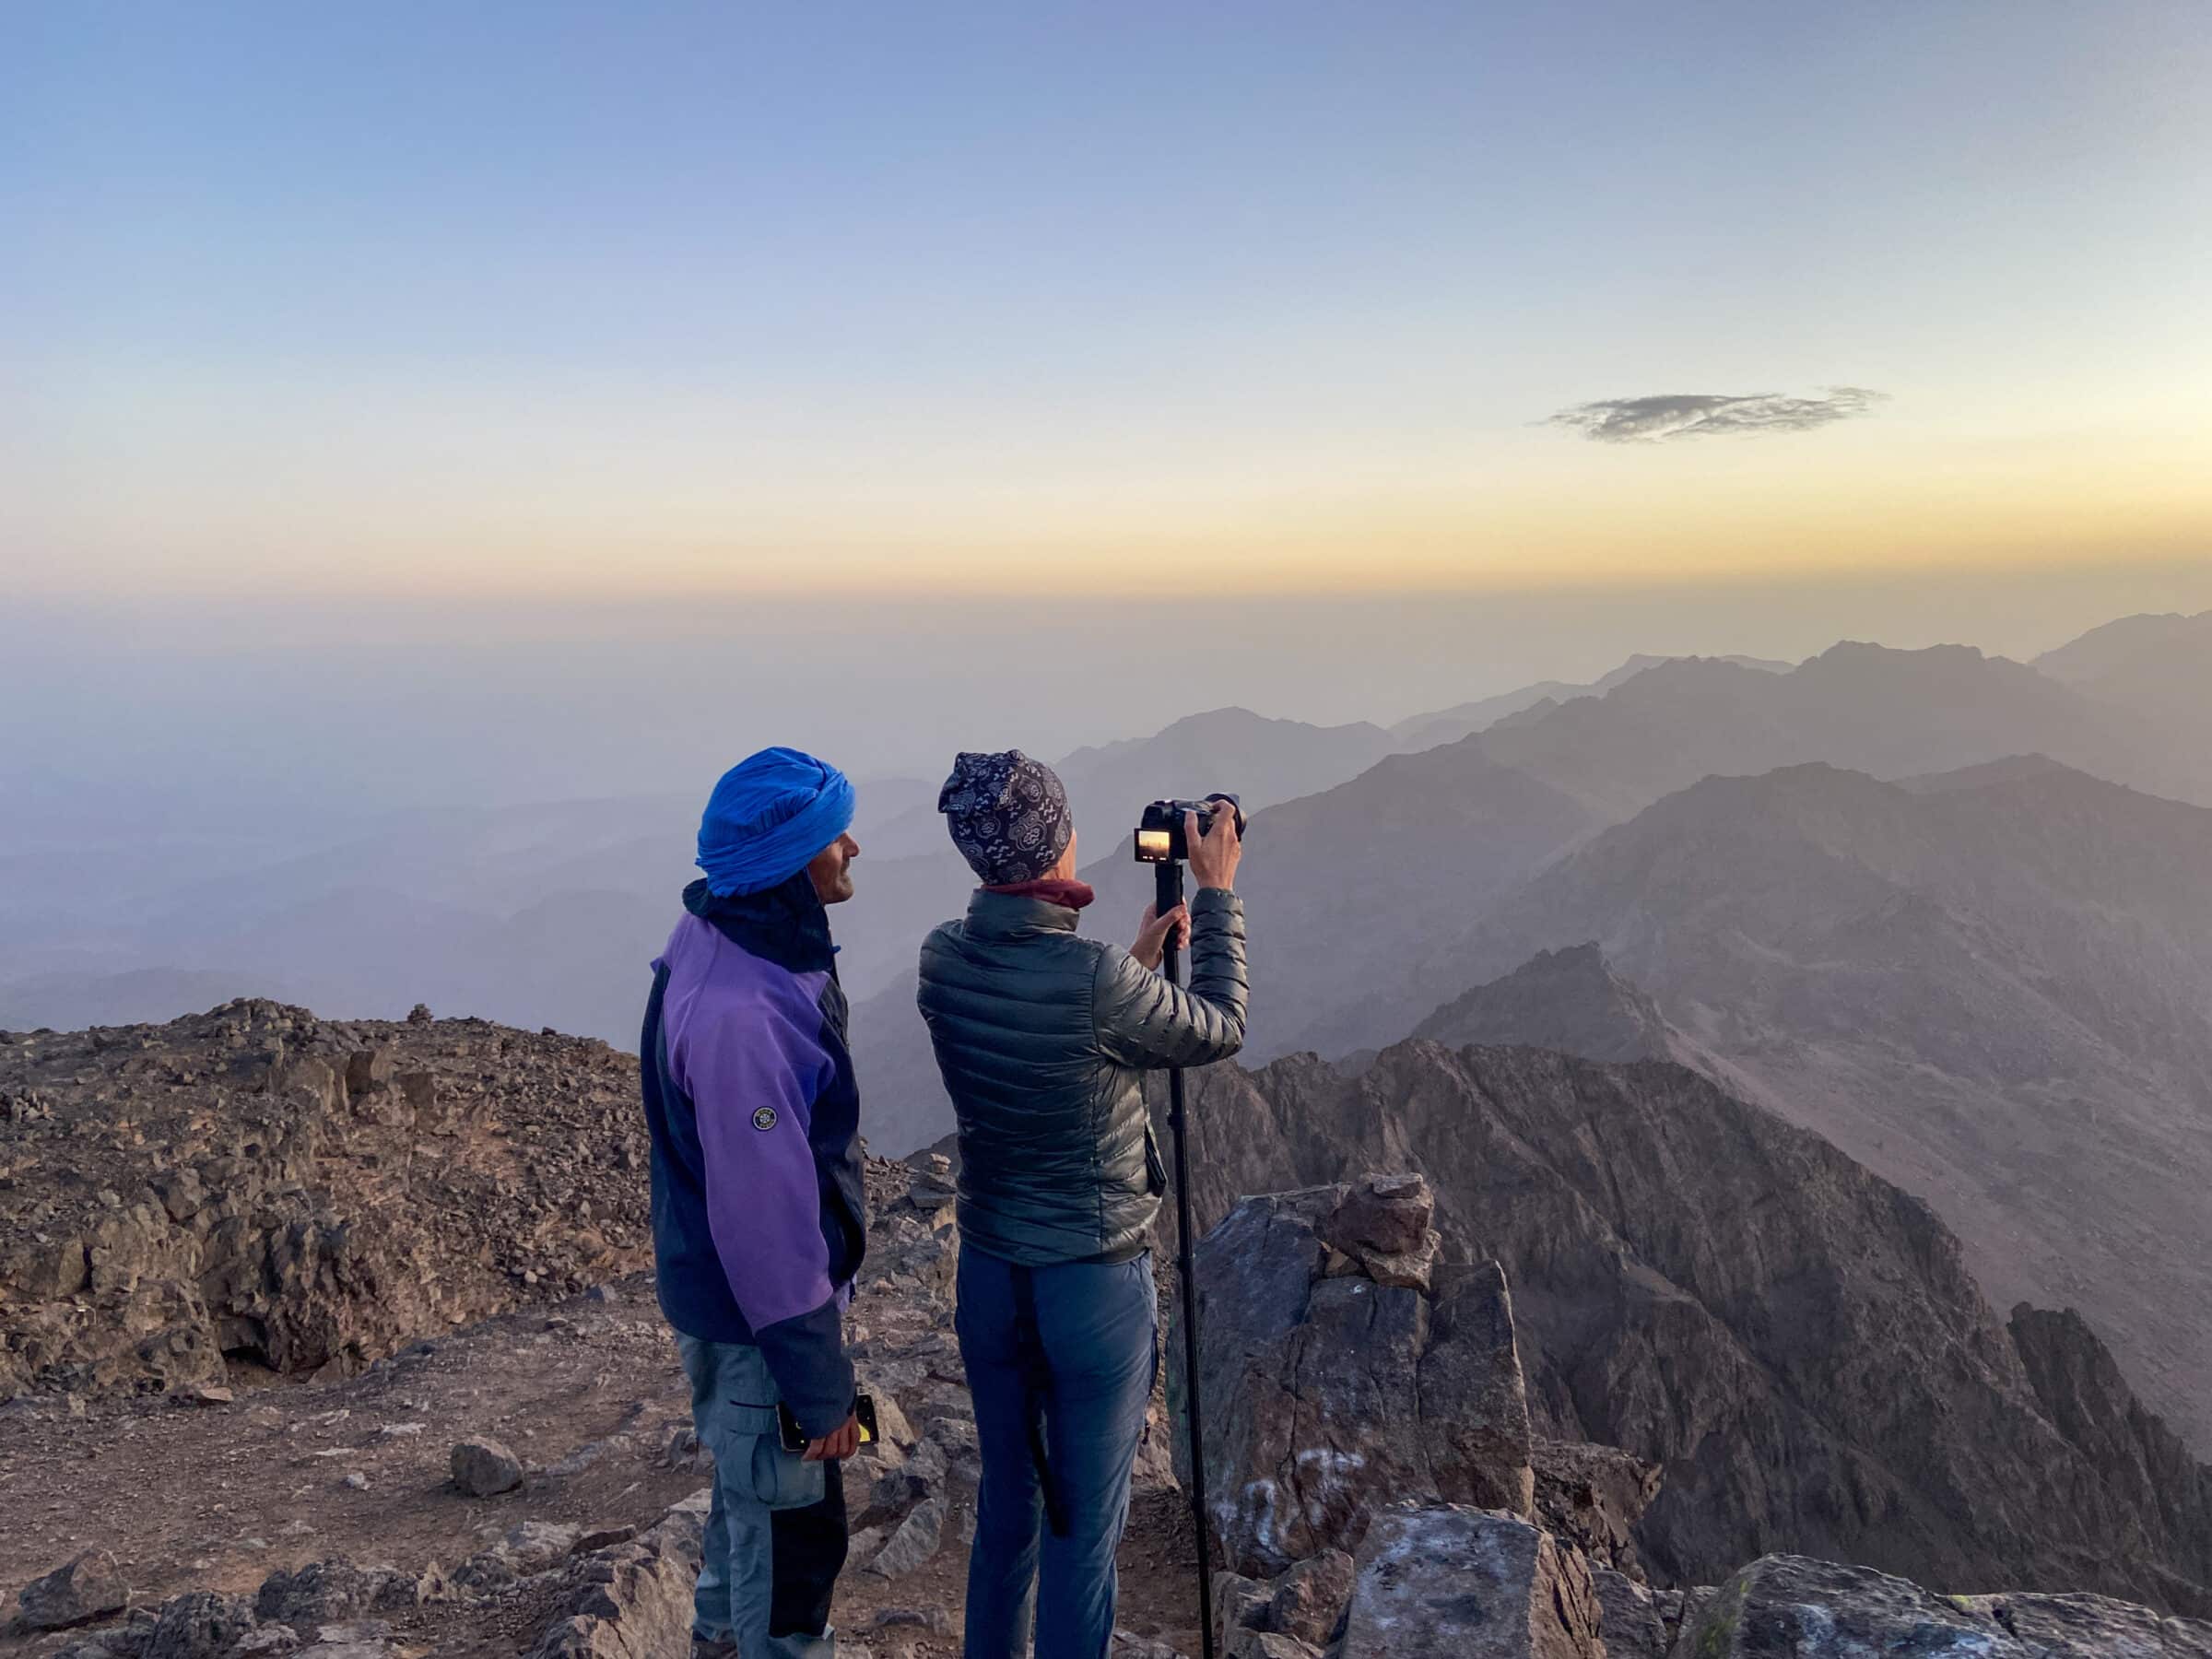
column 758, row 1203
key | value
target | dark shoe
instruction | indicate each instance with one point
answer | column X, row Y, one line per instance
column 716, row 1647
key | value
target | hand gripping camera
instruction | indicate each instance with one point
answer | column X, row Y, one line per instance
column 1159, row 833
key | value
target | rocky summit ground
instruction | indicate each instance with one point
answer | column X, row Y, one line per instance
column 262, row 1273
column 319, row 1341
column 335, row 1504
column 257, row 1189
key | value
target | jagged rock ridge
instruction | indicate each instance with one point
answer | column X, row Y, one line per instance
column 1795, row 1342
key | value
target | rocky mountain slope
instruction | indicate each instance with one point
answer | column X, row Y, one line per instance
column 257, row 1186
column 1859, row 706
column 1994, row 988
column 1567, row 999
column 1796, row 1343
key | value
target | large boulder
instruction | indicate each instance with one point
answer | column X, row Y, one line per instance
column 88, row 1588
column 1592, row 1496
column 1448, row 1581
column 1331, row 1392
column 2094, row 1627
column 630, row 1602
column 1790, row 1605
column 1790, row 1608
column 200, row 1624
column 484, row 1468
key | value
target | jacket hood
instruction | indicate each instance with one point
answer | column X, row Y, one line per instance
column 786, row 925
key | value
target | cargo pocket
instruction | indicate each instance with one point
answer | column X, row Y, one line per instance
column 748, row 1453
column 785, row 1480
column 1156, row 1169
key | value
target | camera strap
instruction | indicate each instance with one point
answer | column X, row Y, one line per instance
column 1035, row 1392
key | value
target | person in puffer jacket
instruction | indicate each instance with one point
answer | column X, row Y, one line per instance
column 1044, row 1039
column 759, row 1201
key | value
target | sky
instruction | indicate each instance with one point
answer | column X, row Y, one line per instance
column 440, row 371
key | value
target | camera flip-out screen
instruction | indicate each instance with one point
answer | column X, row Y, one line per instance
column 1155, row 846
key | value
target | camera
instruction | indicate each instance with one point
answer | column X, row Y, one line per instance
column 1159, row 833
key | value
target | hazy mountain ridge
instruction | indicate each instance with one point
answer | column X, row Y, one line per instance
column 97, row 885
column 1859, row 706
column 1464, row 720
column 1998, row 995
column 2159, row 667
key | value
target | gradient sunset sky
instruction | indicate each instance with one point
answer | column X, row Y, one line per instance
column 728, row 299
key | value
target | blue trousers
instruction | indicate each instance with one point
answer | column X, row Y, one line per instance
column 776, row 1531
column 1095, row 1352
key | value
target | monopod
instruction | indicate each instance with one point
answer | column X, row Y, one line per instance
column 1168, row 876
column 1160, row 843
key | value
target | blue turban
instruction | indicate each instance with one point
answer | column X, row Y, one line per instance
column 768, row 817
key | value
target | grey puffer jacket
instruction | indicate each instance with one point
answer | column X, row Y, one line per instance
column 1042, row 1038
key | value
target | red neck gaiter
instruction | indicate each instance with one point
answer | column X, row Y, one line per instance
column 1054, row 889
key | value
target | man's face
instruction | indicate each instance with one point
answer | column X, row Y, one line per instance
column 832, row 870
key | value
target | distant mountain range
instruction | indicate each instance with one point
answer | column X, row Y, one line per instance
column 116, row 906
column 1983, row 972
column 1946, row 909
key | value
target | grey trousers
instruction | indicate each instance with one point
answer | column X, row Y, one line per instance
column 776, row 1532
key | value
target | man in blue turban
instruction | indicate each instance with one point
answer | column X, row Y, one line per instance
column 759, row 1205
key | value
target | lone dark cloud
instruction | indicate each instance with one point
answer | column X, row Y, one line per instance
column 1697, row 413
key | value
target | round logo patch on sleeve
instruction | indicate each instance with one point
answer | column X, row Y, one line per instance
column 764, row 1117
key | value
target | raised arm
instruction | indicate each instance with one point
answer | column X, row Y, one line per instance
column 1145, row 1021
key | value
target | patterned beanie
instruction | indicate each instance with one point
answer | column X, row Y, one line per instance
column 1008, row 816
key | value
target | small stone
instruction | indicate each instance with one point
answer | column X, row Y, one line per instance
column 484, row 1468
column 916, row 1541
column 603, row 1537
column 201, row 1393
column 933, row 1621
column 1240, row 1604
column 1411, row 1269
column 356, row 1481
column 355, row 1630
column 535, row 1544
column 1388, row 1214
column 1309, row 1599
